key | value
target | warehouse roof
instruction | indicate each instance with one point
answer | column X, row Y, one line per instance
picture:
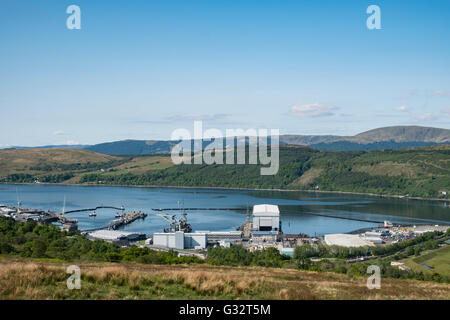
column 346, row 240
column 266, row 210
column 113, row 234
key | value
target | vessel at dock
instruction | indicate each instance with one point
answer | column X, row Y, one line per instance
column 175, row 224
column 127, row 219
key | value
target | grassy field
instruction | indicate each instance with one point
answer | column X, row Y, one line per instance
column 27, row 279
column 438, row 259
column 39, row 163
column 33, row 161
column 142, row 164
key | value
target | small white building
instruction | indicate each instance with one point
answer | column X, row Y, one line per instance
column 266, row 217
column 374, row 240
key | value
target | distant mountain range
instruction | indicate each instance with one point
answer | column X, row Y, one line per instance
column 396, row 137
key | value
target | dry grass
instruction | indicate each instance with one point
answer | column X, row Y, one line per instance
column 390, row 168
column 144, row 163
column 21, row 279
column 308, row 177
column 20, row 160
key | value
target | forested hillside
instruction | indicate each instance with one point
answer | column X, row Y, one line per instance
column 423, row 172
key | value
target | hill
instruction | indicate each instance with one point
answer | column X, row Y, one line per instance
column 435, row 260
column 134, row 147
column 377, row 139
column 397, row 137
column 28, row 279
column 403, row 134
column 16, row 160
column 421, row 172
column 50, row 165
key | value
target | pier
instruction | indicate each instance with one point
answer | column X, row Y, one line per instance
column 96, row 208
column 126, row 219
column 178, row 209
column 344, row 218
column 23, row 214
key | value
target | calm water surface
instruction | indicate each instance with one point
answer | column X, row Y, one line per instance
column 299, row 210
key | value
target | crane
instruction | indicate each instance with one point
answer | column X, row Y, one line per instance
column 176, row 224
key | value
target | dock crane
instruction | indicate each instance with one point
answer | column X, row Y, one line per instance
column 171, row 219
column 176, row 224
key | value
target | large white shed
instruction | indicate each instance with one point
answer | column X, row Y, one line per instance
column 266, row 217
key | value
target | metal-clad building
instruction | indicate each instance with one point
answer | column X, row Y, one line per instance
column 114, row 235
column 216, row 236
column 180, row 240
column 266, row 217
column 376, row 240
column 196, row 240
column 164, row 240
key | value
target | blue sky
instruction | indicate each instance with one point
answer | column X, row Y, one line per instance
column 141, row 69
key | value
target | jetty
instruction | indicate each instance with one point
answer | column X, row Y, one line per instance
column 96, row 208
column 178, row 209
column 126, row 219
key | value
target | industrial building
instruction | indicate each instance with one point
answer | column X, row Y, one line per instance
column 265, row 228
column 180, row 240
column 266, row 217
column 374, row 240
column 195, row 240
column 5, row 211
column 346, row 240
column 116, row 236
column 218, row 236
column 264, row 236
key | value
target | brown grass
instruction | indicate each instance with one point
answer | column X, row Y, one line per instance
column 20, row 160
column 22, row 279
column 390, row 168
column 145, row 163
column 308, row 177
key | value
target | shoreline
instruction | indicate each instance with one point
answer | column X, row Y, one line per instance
column 356, row 231
column 392, row 196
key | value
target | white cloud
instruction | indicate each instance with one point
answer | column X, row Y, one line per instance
column 71, row 143
column 312, row 110
column 402, row 108
column 446, row 112
column 441, row 93
column 198, row 117
column 58, row 133
column 187, row 117
column 428, row 116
